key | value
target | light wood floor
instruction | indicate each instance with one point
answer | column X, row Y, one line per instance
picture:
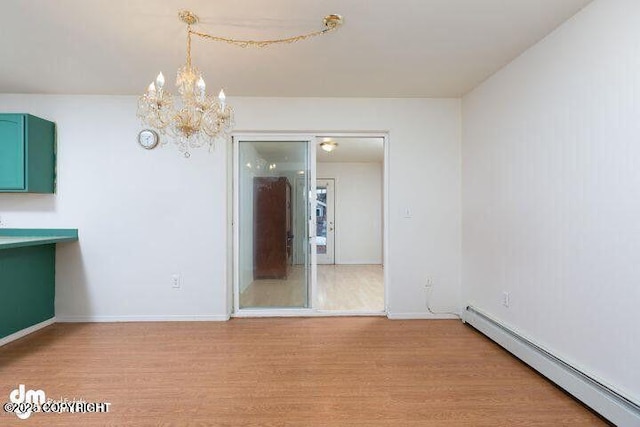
column 350, row 288
column 340, row 287
column 290, row 292
column 284, row 372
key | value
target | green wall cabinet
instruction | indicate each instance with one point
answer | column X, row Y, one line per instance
column 27, row 154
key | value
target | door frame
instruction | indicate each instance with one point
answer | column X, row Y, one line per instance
column 313, row 139
column 333, row 223
column 312, row 272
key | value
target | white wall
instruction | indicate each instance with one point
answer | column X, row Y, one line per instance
column 551, row 193
column 358, row 211
column 144, row 215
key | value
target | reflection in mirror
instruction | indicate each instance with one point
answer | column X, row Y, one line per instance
column 273, row 244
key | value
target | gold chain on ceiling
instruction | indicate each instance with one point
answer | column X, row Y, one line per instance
column 331, row 23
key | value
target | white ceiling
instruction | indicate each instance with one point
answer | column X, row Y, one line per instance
column 353, row 150
column 400, row 48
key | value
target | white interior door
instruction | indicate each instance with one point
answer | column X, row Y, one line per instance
column 325, row 221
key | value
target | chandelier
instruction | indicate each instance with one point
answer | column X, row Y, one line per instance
column 198, row 119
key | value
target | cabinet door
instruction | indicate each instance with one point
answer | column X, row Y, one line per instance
column 12, row 164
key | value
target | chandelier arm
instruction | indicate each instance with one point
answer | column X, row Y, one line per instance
column 164, row 123
column 263, row 43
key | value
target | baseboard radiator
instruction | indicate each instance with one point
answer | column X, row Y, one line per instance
column 607, row 402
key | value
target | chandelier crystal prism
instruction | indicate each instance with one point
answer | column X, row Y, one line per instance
column 197, row 119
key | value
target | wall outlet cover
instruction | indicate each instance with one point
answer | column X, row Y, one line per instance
column 175, row 281
column 505, row 299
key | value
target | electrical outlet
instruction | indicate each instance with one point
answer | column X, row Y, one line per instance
column 506, row 296
column 175, row 281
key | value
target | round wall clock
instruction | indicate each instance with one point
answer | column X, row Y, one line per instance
column 148, row 138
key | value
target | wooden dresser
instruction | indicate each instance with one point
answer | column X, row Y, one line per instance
column 272, row 230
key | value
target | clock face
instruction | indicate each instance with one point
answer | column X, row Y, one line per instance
column 148, row 139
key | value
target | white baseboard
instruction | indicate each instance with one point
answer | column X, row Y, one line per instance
column 26, row 331
column 420, row 316
column 606, row 401
column 163, row 318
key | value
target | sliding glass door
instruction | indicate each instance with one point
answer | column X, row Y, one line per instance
column 274, row 245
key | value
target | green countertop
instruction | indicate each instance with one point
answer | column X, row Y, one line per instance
column 19, row 237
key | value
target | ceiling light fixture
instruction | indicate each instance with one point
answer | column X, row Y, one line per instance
column 328, row 146
column 200, row 118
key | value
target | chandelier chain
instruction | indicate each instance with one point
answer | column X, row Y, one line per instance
column 189, row 46
column 263, row 43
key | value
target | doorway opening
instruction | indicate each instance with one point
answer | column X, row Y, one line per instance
column 308, row 225
column 325, row 221
column 349, row 212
